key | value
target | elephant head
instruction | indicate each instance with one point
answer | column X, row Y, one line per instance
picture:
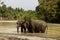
column 18, row 25
column 23, row 24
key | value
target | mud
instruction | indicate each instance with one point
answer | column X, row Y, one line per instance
column 11, row 34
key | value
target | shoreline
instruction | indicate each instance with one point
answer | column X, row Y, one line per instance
column 6, row 36
column 8, row 21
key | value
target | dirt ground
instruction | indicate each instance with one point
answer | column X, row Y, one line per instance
column 11, row 34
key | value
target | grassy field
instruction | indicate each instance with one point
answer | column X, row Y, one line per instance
column 53, row 30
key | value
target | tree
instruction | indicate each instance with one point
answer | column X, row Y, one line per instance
column 58, row 12
column 8, row 13
column 47, row 9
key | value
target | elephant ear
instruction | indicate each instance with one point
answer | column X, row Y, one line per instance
column 25, row 25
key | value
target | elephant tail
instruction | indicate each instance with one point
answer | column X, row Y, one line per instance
column 46, row 29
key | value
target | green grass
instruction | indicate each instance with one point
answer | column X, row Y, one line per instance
column 53, row 30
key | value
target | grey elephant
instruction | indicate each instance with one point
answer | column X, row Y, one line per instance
column 18, row 25
column 36, row 26
column 22, row 24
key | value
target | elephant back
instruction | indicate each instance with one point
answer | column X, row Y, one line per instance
column 40, row 24
column 37, row 25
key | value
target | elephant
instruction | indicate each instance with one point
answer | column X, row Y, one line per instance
column 18, row 25
column 36, row 26
column 32, row 26
column 22, row 24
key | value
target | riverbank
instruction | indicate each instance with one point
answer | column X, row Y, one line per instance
column 21, row 37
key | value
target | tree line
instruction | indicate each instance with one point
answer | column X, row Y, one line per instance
column 48, row 10
column 8, row 13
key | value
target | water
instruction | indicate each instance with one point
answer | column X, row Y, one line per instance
column 10, row 28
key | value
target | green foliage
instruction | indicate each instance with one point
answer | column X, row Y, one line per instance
column 47, row 10
column 8, row 13
column 58, row 12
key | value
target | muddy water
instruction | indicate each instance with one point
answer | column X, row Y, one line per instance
column 9, row 30
column 8, row 36
column 11, row 34
column 19, row 37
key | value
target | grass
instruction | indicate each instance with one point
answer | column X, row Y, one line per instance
column 53, row 30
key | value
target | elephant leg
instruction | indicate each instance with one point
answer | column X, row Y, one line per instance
column 37, row 30
column 21, row 29
column 43, row 30
column 17, row 29
column 30, row 29
column 24, row 29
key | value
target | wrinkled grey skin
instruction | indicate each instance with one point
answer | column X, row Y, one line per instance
column 32, row 26
column 37, row 26
column 18, row 25
column 22, row 24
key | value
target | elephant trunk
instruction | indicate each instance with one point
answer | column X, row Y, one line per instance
column 17, row 29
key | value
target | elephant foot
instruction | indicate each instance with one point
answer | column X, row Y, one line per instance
column 17, row 29
column 37, row 31
column 42, row 31
column 30, row 31
column 21, row 30
column 24, row 31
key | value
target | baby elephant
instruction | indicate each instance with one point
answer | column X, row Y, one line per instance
column 22, row 24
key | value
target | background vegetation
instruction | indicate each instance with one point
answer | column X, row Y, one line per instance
column 48, row 10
